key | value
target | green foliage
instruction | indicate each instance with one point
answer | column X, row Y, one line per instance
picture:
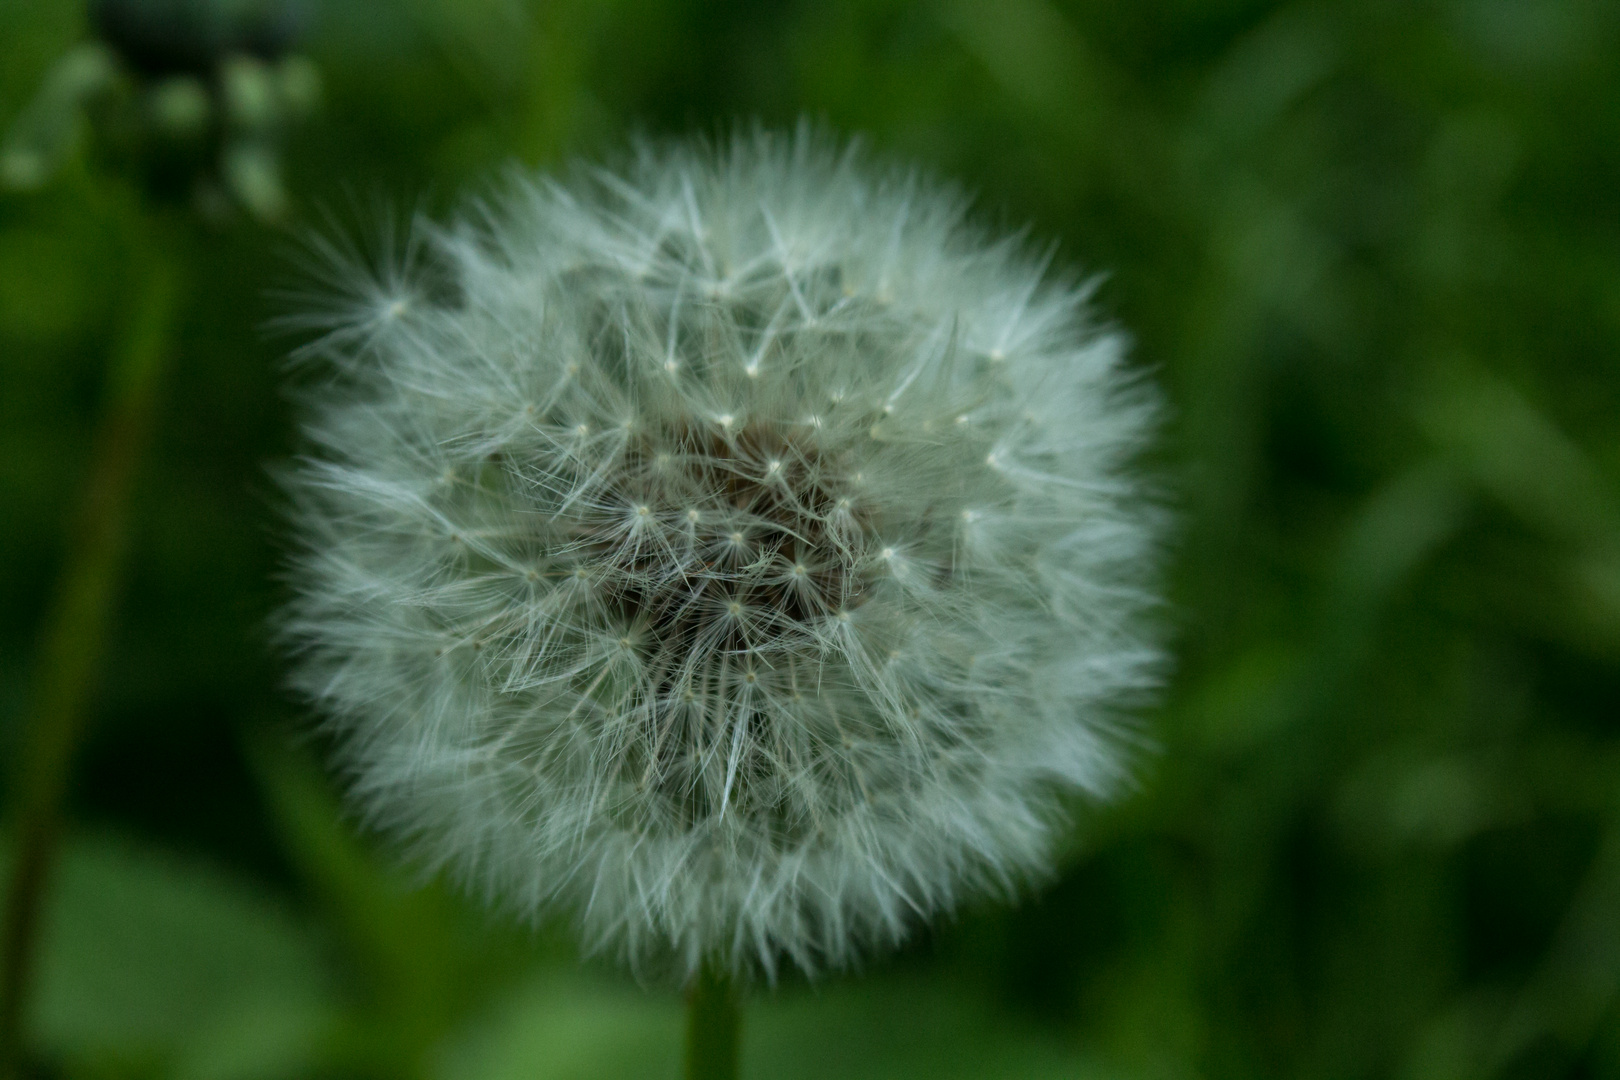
column 1372, row 248
column 151, row 958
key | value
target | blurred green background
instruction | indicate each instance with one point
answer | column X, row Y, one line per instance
column 1371, row 248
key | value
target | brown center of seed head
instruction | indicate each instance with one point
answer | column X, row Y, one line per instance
column 752, row 539
column 741, row 545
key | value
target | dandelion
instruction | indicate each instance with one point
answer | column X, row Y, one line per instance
column 739, row 551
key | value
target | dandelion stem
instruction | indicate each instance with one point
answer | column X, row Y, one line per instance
column 74, row 634
column 713, row 1023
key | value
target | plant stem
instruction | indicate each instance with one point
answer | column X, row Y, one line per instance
column 713, row 1023
column 74, row 634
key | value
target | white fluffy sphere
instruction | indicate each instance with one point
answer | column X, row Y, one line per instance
column 738, row 551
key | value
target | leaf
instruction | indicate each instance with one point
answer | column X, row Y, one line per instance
column 144, row 953
column 576, row 1025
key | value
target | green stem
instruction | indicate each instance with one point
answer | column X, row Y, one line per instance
column 713, row 1023
column 74, row 634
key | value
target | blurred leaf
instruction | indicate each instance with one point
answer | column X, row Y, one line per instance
column 146, row 956
column 1520, row 457
column 419, row 961
column 886, row 1027
column 570, row 1027
column 1577, row 983
column 565, row 1027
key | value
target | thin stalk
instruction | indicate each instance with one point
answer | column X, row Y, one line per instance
column 713, row 1024
column 74, row 635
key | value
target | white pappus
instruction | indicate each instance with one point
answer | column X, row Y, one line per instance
column 740, row 551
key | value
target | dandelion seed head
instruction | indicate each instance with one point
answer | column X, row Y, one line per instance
column 796, row 656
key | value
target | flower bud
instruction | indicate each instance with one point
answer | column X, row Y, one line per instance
column 252, row 172
column 179, row 107
column 251, row 90
column 43, row 135
column 298, row 80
